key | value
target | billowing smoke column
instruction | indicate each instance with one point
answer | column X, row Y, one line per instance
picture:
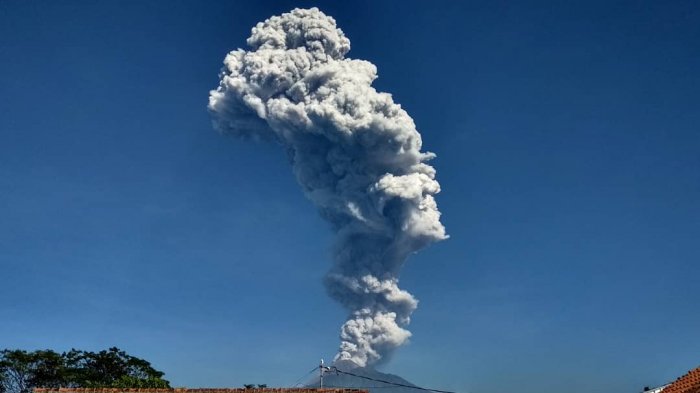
column 355, row 153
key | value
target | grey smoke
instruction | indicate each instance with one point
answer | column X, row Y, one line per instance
column 357, row 156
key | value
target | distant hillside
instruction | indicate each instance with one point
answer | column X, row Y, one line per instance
column 347, row 381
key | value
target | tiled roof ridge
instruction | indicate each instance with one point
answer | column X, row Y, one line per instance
column 688, row 383
column 198, row 390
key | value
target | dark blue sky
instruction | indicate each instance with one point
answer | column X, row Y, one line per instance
column 568, row 146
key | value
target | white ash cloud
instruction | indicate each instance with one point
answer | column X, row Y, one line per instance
column 357, row 156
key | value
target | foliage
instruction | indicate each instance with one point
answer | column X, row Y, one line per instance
column 20, row 370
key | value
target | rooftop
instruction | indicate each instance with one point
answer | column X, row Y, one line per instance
column 689, row 383
column 198, row 390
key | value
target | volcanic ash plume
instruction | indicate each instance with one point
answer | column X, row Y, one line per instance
column 355, row 153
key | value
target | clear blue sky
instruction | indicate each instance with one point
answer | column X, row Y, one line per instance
column 568, row 147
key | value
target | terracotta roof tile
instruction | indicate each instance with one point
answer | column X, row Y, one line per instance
column 199, row 390
column 689, row 383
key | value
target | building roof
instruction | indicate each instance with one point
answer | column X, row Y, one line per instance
column 199, row 390
column 689, row 383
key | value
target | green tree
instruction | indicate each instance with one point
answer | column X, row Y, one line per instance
column 20, row 371
column 112, row 368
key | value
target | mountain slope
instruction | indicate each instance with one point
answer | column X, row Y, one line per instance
column 332, row 379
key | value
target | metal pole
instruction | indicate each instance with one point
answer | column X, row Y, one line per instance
column 320, row 369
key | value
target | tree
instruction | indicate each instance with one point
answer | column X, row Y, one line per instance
column 252, row 386
column 20, row 371
column 112, row 368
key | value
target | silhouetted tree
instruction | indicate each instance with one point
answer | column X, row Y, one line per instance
column 20, row 371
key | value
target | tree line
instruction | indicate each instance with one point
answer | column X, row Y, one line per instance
column 21, row 371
